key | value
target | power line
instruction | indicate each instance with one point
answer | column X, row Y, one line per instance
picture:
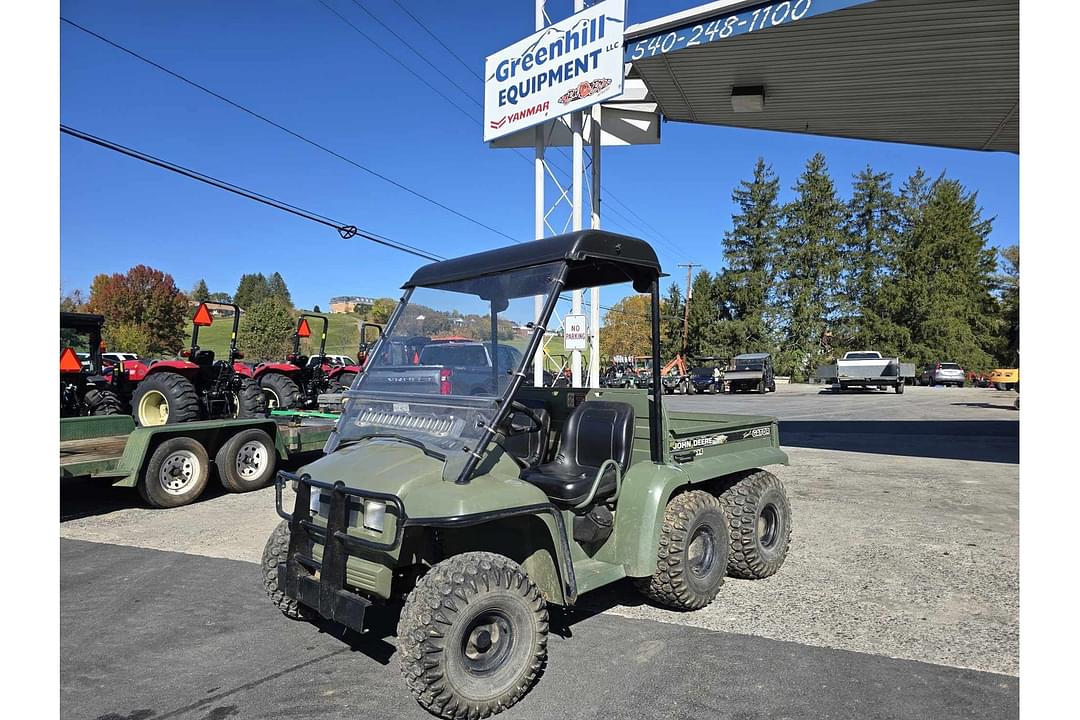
column 417, row 20
column 284, row 129
column 345, row 230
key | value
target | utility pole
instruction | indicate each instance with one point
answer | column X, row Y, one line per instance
column 686, row 305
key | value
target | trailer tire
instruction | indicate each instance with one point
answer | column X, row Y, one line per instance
column 247, row 461
column 102, row 402
column 176, row 473
column 171, row 389
column 759, row 522
column 472, row 636
column 249, row 400
column 689, row 573
column 277, row 551
column 279, row 391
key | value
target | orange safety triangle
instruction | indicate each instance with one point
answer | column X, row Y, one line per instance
column 202, row 316
column 69, row 361
column 304, row 330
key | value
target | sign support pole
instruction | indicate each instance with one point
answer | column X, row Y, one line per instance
column 594, row 293
column 538, row 181
column 577, row 172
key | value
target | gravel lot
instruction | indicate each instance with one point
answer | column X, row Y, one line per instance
column 905, row 539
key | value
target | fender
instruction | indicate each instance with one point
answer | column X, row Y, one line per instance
column 184, row 367
column 334, row 372
column 242, row 369
column 264, row 368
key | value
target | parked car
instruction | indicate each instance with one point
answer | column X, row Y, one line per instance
column 331, row 360
column 866, row 369
column 943, row 373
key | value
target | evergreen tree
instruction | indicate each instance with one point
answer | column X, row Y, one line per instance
column 671, row 322
column 201, row 293
column 942, row 290
column 744, row 291
column 705, row 316
column 873, row 219
column 251, row 291
column 1009, row 284
column 278, row 289
column 809, row 272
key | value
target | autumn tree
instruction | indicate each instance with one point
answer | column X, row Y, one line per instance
column 627, row 327
column 382, row 309
column 144, row 310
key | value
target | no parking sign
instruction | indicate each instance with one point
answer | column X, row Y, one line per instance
column 575, row 332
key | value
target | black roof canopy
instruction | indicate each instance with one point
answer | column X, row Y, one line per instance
column 595, row 258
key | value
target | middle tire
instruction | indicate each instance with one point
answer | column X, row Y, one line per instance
column 472, row 636
column 692, row 558
column 279, row 391
column 247, row 461
column 759, row 516
column 249, row 400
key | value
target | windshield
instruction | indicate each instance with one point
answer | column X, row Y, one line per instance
column 749, row 364
column 862, row 356
column 446, row 358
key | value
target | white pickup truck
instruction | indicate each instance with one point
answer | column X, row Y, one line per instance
column 866, row 369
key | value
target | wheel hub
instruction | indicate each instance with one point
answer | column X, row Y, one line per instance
column 768, row 526
column 487, row 642
column 153, row 408
column 178, row 471
column 251, row 460
column 701, row 553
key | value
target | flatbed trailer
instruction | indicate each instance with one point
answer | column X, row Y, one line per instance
column 170, row 464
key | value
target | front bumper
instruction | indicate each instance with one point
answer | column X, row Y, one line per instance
column 320, row 583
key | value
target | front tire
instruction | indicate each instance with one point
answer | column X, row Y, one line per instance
column 472, row 636
column 900, row 389
column 165, row 398
column 759, row 521
column 102, row 402
column 247, row 461
column 692, row 558
column 277, row 551
column 346, row 379
column 176, row 474
column 280, row 392
column 249, row 400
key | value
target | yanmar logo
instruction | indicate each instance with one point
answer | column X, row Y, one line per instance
column 520, row 115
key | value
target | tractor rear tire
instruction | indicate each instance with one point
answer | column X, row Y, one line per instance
column 345, row 379
column 759, row 523
column 250, row 402
column 165, row 398
column 693, row 555
column 280, row 392
column 472, row 636
column 277, row 551
column 176, row 474
column 247, row 461
column 102, row 402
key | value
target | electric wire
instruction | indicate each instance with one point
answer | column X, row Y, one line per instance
column 345, row 230
column 284, row 129
column 436, row 38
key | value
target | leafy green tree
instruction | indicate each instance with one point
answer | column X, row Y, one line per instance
column 147, row 304
column 1008, row 282
column 200, row 293
column 278, row 289
column 382, row 309
column 72, row 302
column 221, row 297
column 316, row 309
column 251, row 291
column 809, row 270
column 744, row 290
column 266, row 330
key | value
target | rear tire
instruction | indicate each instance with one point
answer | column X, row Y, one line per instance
column 472, row 636
column 759, row 521
column 346, row 379
column 692, row 557
column 280, row 392
column 277, row 551
column 165, row 398
column 249, row 400
column 761, row 387
column 102, row 402
column 247, row 461
column 176, row 474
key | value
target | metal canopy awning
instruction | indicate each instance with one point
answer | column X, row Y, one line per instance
column 926, row 72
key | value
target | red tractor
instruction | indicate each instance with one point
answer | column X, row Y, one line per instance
column 195, row 387
column 298, row 382
column 85, row 386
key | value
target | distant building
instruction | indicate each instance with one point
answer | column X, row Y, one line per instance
column 217, row 309
column 346, row 303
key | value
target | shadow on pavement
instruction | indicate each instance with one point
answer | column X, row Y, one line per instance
column 980, row 440
column 991, row 406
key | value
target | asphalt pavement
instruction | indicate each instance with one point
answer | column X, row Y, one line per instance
column 151, row 635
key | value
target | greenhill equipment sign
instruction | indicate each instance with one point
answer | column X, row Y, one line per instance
column 567, row 66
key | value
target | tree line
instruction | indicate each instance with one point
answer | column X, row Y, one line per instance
column 905, row 271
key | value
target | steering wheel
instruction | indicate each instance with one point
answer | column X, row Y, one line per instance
column 519, row 407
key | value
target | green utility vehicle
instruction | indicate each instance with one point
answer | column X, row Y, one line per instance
column 170, row 464
column 480, row 510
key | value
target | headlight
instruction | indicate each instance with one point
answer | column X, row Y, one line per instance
column 374, row 515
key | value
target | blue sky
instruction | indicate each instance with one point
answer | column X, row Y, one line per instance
column 297, row 63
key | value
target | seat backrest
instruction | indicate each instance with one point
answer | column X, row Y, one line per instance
column 596, row 431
